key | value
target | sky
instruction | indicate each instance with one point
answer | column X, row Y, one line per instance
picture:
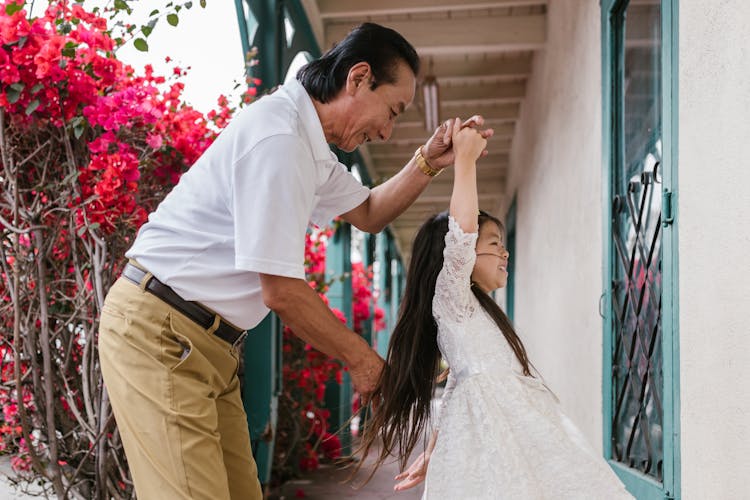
column 207, row 40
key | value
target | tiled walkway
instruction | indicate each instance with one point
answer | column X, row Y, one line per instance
column 328, row 483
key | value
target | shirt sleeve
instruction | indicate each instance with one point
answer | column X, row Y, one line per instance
column 273, row 192
column 453, row 294
column 340, row 193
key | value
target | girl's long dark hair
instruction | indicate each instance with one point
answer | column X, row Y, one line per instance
column 408, row 380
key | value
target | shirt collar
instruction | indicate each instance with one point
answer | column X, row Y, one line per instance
column 310, row 120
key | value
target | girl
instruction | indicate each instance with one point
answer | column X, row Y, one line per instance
column 500, row 432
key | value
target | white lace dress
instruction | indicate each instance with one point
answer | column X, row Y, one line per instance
column 502, row 434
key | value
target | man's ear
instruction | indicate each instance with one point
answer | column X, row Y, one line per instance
column 359, row 75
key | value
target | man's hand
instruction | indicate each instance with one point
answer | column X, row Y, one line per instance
column 365, row 374
column 415, row 474
column 302, row 310
column 438, row 151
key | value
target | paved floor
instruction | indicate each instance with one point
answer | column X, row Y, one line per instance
column 326, row 483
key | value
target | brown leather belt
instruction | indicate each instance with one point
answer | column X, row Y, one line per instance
column 192, row 310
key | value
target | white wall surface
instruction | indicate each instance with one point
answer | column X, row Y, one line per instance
column 556, row 173
column 714, row 243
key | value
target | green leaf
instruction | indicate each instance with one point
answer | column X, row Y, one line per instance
column 188, row 5
column 121, row 4
column 32, row 106
column 69, row 51
column 154, row 12
column 14, row 92
column 80, row 231
column 36, row 88
column 94, row 226
column 12, row 96
column 173, row 20
column 141, row 44
column 12, row 8
column 146, row 30
column 78, row 130
column 203, row 4
column 71, row 177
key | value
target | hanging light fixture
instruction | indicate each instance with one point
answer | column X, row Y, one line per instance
column 431, row 98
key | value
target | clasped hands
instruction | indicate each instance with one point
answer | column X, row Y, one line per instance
column 438, row 151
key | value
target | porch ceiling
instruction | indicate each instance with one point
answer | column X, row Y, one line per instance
column 480, row 51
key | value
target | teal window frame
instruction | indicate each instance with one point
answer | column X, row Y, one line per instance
column 641, row 486
column 510, row 246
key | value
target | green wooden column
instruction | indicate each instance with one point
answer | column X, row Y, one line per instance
column 396, row 285
column 510, row 245
column 338, row 397
column 259, row 22
column 367, row 260
column 261, row 388
column 382, row 255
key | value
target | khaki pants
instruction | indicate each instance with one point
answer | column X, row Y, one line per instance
column 176, row 399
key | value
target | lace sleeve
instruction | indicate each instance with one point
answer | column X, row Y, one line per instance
column 453, row 287
column 450, row 384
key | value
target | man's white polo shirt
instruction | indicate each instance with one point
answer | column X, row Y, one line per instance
column 243, row 208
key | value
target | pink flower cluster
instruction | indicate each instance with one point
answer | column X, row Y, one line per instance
column 364, row 304
column 128, row 138
column 60, row 69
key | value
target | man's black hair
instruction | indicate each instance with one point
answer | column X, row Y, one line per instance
column 382, row 48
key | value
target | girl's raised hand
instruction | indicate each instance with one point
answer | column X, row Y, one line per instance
column 468, row 143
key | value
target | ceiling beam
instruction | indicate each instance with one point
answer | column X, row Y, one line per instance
column 494, row 112
column 446, row 36
column 485, row 65
column 418, row 132
column 381, row 151
column 335, row 9
column 503, row 92
column 316, row 22
column 486, row 168
column 446, row 188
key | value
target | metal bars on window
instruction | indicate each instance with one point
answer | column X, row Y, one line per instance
column 641, row 395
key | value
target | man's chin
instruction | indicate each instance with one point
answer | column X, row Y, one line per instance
column 347, row 148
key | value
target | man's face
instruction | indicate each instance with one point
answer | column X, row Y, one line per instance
column 372, row 113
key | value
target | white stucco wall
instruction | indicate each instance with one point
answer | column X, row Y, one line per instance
column 556, row 174
column 714, row 243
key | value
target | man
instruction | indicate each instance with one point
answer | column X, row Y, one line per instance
column 227, row 244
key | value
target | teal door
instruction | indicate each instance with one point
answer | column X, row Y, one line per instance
column 641, row 398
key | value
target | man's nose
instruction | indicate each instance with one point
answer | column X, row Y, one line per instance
column 386, row 132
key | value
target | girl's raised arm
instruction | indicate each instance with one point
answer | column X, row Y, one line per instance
column 468, row 145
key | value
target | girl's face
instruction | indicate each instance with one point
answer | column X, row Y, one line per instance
column 491, row 268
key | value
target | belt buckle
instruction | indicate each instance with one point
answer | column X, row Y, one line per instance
column 239, row 339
